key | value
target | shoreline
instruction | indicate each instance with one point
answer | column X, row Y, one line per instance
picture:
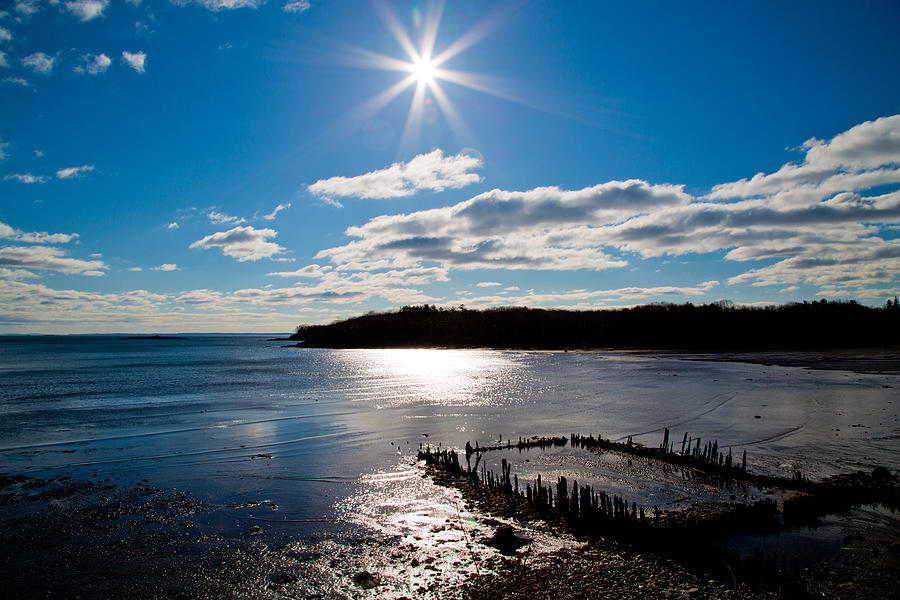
column 871, row 361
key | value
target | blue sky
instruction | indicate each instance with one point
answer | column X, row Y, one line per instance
column 243, row 165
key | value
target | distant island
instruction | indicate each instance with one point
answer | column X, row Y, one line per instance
column 153, row 337
column 719, row 326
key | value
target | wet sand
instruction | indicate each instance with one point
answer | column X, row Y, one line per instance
column 870, row 360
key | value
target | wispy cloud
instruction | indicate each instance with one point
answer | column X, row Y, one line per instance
column 20, row 81
column 48, row 258
column 3, row 153
column 5, row 35
column 217, row 5
column 242, row 243
column 135, row 60
column 93, row 64
column 172, row 225
column 296, row 6
column 27, row 8
column 86, row 10
column 221, row 218
column 40, row 63
column 26, row 178
column 432, row 171
column 74, row 172
column 279, row 208
column 35, row 237
column 309, row 271
column 17, row 274
column 586, row 299
column 165, row 267
column 3, row 61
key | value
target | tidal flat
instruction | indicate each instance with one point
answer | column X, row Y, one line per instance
column 218, row 466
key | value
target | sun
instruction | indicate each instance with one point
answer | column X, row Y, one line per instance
column 424, row 69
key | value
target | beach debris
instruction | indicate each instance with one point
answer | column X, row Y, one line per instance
column 506, row 541
column 263, row 455
column 366, row 580
column 254, row 503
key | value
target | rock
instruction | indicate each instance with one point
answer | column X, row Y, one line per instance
column 366, row 580
column 255, row 530
column 882, row 475
column 282, row 578
column 506, row 541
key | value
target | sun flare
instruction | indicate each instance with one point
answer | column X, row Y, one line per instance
column 425, row 72
column 424, row 69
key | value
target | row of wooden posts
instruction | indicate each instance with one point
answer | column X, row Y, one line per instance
column 594, row 513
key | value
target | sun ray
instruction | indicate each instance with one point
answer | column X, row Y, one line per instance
column 430, row 31
column 413, row 128
column 480, row 83
column 396, row 29
column 361, row 57
column 478, row 32
column 464, row 137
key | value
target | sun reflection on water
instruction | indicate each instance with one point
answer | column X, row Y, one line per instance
column 444, row 377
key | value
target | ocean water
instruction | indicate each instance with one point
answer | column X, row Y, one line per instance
column 329, row 436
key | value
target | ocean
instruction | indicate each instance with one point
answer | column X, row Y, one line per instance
column 316, row 444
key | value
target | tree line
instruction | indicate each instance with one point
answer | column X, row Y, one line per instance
column 716, row 326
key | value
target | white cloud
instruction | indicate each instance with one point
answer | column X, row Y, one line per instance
column 860, row 150
column 166, row 267
column 296, row 6
column 812, row 223
column 591, row 299
column 3, row 61
column 93, row 64
column 48, row 259
column 544, row 228
column 39, row 153
column 27, row 8
column 221, row 218
column 74, row 172
column 279, row 208
column 86, row 9
column 217, row 5
column 483, row 284
column 309, row 271
column 242, row 243
column 21, row 81
column 432, row 171
column 35, row 237
column 172, row 225
column 3, row 153
column 26, row 178
column 135, row 60
column 40, row 62
column 16, row 274
column 5, row 35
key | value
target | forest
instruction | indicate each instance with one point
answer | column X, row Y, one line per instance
column 718, row 326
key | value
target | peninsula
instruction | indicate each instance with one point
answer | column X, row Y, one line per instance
column 718, row 327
